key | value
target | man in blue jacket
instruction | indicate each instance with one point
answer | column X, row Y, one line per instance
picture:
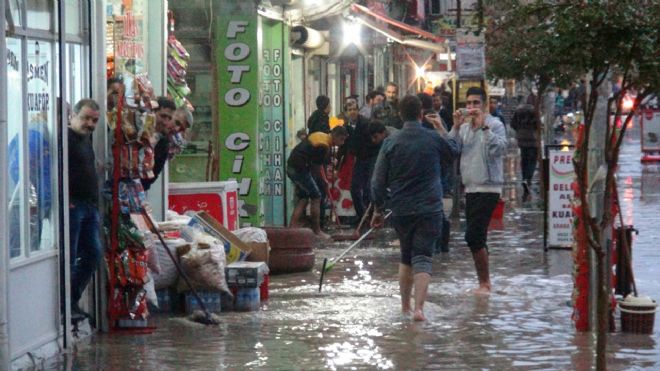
column 408, row 176
column 482, row 141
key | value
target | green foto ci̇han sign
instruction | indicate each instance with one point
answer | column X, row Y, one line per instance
column 271, row 132
column 238, row 79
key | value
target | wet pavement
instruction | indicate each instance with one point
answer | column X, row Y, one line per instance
column 355, row 322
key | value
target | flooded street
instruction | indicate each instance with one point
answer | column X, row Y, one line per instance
column 355, row 322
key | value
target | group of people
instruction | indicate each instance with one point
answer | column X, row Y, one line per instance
column 86, row 249
column 366, row 127
column 360, row 137
column 403, row 152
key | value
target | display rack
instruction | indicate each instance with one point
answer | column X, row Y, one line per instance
column 126, row 256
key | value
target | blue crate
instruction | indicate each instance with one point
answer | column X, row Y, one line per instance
column 167, row 301
column 212, row 301
column 247, row 299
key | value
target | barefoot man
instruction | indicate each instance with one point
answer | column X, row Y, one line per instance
column 408, row 176
column 310, row 155
column 482, row 140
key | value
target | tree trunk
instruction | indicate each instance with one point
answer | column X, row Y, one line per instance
column 603, row 312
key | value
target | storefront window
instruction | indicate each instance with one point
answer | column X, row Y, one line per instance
column 73, row 9
column 77, row 73
column 15, row 148
column 32, row 101
column 40, row 126
column 40, row 14
column 127, row 35
column 15, row 11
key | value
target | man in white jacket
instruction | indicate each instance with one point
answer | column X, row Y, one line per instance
column 482, row 142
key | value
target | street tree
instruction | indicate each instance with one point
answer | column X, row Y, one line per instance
column 556, row 42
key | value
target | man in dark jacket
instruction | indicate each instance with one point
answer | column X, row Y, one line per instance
column 407, row 176
column 359, row 144
column 319, row 120
column 86, row 250
column 525, row 124
column 388, row 112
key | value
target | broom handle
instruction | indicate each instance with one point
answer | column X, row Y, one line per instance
column 358, row 241
column 364, row 218
column 153, row 228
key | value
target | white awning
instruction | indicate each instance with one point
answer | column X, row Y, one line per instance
column 404, row 40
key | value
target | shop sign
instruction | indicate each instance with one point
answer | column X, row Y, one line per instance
column 561, row 175
column 271, row 130
column 470, row 55
column 650, row 120
column 237, row 71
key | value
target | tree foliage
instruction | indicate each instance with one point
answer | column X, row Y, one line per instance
column 561, row 41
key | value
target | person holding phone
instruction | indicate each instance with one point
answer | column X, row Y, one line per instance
column 482, row 142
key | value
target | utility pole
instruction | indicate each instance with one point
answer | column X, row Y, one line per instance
column 458, row 13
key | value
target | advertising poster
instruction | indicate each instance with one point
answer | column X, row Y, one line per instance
column 561, row 175
column 238, row 109
column 470, row 55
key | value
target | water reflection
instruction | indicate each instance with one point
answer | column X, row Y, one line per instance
column 355, row 323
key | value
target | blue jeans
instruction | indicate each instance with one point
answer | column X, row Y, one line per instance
column 306, row 185
column 86, row 249
column 442, row 245
column 528, row 163
column 418, row 235
column 362, row 170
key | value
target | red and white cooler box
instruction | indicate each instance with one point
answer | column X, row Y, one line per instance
column 219, row 199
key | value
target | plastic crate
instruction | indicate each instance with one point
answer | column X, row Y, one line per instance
column 167, row 301
column 212, row 301
column 247, row 299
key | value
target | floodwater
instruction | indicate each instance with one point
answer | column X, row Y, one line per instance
column 355, row 322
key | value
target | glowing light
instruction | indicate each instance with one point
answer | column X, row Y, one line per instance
column 352, row 33
column 420, row 71
column 627, row 103
column 565, row 143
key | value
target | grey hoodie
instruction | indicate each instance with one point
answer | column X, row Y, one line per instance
column 482, row 152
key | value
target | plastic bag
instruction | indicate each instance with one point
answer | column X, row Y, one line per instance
column 153, row 262
column 151, row 291
column 168, row 273
column 251, row 234
column 204, row 264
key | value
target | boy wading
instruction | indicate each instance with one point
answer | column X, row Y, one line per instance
column 482, row 142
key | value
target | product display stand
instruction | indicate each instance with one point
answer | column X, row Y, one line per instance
column 126, row 256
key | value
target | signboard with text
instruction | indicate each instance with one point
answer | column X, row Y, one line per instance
column 271, row 129
column 238, row 108
column 559, row 217
column 650, row 121
column 470, row 55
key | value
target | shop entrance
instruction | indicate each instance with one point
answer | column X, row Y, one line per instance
column 42, row 66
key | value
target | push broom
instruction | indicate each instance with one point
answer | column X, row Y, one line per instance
column 327, row 266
